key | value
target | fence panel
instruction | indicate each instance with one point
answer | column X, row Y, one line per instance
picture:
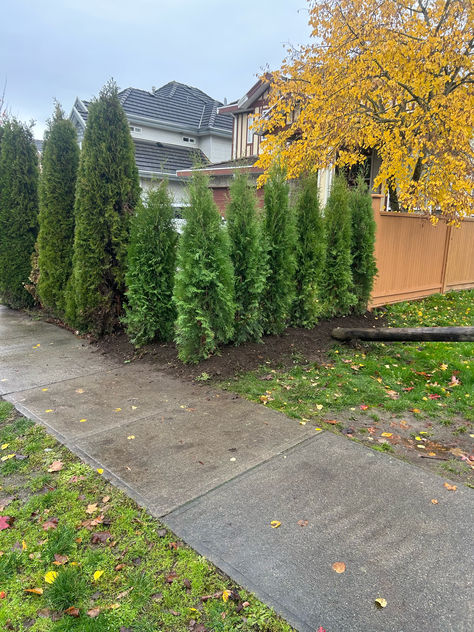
column 415, row 258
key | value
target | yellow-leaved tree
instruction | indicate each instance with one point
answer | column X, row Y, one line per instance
column 385, row 75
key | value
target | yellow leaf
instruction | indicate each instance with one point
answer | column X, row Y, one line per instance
column 44, row 390
column 431, row 453
column 23, row 545
column 82, row 420
column 417, row 438
column 35, row 591
column 434, row 501
column 7, row 457
column 131, row 437
column 50, row 577
column 339, row 567
column 318, row 429
column 416, row 410
column 275, row 524
column 381, row 602
column 319, row 406
column 386, row 434
column 451, row 488
column 114, row 606
column 97, row 575
column 117, row 410
column 4, row 446
column 100, row 470
column 226, row 594
column 48, row 410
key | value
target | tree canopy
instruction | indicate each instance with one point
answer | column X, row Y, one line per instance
column 393, row 76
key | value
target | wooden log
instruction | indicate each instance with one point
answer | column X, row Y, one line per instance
column 407, row 334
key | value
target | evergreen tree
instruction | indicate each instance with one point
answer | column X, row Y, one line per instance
column 336, row 284
column 364, row 268
column 56, row 215
column 151, row 261
column 106, row 194
column 248, row 258
column 18, row 212
column 279, row 231
column 310, row 254
column 204, row 284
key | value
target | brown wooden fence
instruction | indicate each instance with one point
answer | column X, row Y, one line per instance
column 415, row 258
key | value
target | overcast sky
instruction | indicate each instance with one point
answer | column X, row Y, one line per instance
column 67, row 48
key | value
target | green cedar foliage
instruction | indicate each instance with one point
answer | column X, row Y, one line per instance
column 204, row 284
column 248, row 258
column 280, row 238
column 18, row 212
column 336, row 284
column 106, row 195
column 56, row 216
column 310, row 254
column 364, row 268
column 151, row 261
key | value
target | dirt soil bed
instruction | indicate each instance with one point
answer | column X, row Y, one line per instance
column 294, row 345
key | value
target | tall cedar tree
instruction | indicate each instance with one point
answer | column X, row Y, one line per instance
column 280, row 238
column 151, row 262
column 56, row 215
column 106, row 195
column 310, row 254
column 248, row 258
column 364, row 268
column 336, row 285
column 18, row 212
column 204, row 286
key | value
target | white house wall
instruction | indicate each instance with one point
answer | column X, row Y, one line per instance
column 178, row 190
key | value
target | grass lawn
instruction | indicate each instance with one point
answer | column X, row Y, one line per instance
column 411, row 399
column 77, row 554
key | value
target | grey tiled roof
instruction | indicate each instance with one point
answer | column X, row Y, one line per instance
column 176, row 103
column 161, row 158
column 173, row 103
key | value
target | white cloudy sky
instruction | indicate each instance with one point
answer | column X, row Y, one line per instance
column 67, row 48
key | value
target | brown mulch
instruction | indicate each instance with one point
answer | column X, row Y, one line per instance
column 294, row 345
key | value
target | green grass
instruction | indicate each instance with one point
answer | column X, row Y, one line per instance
column 434, row 380
column 150, row 581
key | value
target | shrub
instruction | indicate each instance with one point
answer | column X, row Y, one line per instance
column 204, row 290
column 56, row 215
column 336, row 284
column 248, row 258
column 150, row 312
column 106, row 195
column 310, row 254
column 18, row 212
column 279, row 232
column 363, row 243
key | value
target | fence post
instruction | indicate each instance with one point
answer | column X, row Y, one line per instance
column 444, row 268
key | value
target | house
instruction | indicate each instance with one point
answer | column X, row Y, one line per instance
column 171, row 128
column 246, row 146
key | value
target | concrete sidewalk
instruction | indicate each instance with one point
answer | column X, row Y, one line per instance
column 218, row 469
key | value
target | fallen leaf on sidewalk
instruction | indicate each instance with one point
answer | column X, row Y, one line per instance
column 275, row 524
column 434, row 501
column 302, row 523
column 451, row 488
column 381, row 602
column 339, row 567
